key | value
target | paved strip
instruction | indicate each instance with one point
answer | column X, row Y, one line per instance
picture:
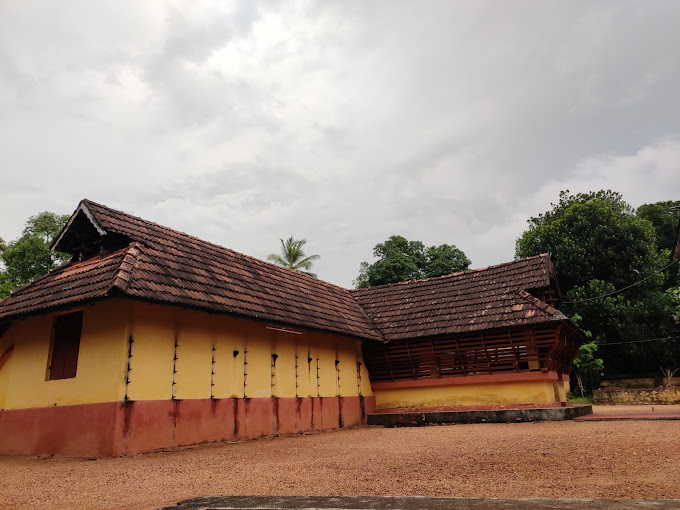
column 633, row 412
column 415, row 503
column 621, row 417
column 417, row 419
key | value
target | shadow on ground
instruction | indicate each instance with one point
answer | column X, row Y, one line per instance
column 414, row 503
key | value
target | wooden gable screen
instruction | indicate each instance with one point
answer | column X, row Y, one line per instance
column 65, row 346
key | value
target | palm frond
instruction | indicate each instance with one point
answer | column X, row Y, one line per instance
column 277, row 259
column 293, row 255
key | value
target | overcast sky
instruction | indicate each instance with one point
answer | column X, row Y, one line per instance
column 339, row 122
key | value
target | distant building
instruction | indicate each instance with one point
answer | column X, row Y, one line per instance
column 151, row 338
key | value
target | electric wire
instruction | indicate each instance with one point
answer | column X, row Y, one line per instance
column 623, row 289
column 639, row 341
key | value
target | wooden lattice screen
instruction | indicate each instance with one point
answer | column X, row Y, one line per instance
column 542, row 347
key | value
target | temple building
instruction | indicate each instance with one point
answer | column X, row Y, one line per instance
column 150, row 338
column 477, row 338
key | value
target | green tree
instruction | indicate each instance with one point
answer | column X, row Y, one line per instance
column 293, row 256
column 29, row 256
column 674, row 294
column 5, row 286
column 593, row 236
column 444, row 259
column 599, row 245
column 401, row 260
column 585, row 365
column 664, row 217
column 361, row 281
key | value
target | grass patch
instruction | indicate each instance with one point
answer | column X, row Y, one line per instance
column 581, row 400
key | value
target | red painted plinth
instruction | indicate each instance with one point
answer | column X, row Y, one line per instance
column 119, row 428
column 82, row 430
column 294, row 415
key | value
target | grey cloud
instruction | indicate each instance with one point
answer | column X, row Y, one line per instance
column 448, row 122
column 14, row 84
column 188, row 42
column 195, row 40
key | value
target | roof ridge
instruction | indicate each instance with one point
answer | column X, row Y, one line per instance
column 451, row 275
column 370, row 320
column 218, row 246
column 123, row 277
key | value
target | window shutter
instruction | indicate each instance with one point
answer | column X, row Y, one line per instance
column 66, row 344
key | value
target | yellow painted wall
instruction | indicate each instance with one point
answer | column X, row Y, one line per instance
column 6, row 341
column 560, row 391
column 347, row 369
column 313, row 367
column 153, row 331
column 195, row 340
column 304, row 369
column 284, row 380
column 155, row 328
column 161, row 333
column 259, row 349
column 326, row 352
column 231, row 337
column 101, row 368
column 365, row 379
column 515, row 392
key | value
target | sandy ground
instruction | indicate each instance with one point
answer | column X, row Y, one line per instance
column 634, row 459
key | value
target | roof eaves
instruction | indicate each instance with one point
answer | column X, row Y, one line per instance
column 571, row 325
column 119, row 281
column 40, row 311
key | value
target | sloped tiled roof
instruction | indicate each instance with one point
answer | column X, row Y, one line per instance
column 154, row 263
column 461, row 302
column 163, row 265
column 67, row 285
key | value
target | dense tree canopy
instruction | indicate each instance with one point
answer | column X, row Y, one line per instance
column 293, row 256
column 401, row 260
column 444, row 259
column 29, row 256
column 600, row 245
column 593, row 236
column 664, row 217
column 5, row 285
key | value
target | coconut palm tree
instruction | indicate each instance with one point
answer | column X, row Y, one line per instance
column 293, row 256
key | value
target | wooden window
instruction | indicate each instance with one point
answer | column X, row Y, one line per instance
column 65, row 346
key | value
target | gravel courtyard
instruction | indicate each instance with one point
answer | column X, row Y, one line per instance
column 635, row 459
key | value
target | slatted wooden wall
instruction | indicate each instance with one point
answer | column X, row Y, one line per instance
column 550, row 347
